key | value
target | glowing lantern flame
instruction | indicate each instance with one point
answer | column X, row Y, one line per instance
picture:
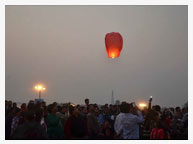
column 114, row 44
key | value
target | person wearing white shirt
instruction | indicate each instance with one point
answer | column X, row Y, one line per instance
column 127, row 122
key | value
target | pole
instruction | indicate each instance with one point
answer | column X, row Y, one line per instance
column 112, row 100
column 40, row 94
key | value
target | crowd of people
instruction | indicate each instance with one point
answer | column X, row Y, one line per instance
column 93, row 122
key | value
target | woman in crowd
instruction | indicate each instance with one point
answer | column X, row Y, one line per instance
column 76, row 126
column 158, row 131
column 54, row 125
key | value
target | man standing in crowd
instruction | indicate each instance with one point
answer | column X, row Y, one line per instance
column 127, row 122
column 86, row 102
column 92, row 121
column 75, row 127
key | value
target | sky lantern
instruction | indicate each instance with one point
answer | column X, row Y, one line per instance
column 114, row 44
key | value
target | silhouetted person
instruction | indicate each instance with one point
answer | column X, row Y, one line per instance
column 76, row 126
column 8, row 122
column 127, row 122
column 93, row 125
column 22, row 112
column 14, row 105
column 15, row 120
column 86, row 102
column 158, row 131
column 54, row 125
column 30, row 129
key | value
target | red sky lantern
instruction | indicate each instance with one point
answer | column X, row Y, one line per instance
column 114, row 44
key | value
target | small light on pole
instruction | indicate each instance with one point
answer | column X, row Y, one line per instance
column 39, row 88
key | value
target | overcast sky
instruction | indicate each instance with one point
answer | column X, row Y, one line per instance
column 63, row 47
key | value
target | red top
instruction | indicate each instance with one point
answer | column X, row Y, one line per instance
column 168, row 121
column 157, row 134
column 69, row 124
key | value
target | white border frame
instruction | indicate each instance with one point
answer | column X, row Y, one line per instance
column 3, row 3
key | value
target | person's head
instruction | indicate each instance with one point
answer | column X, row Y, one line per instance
column 171, row 109
column 132, row 107
column 31, row 106
column 55, row 104
column 10, row 103
column 168, row 112
column 17, row 111
column 73, row 110
column 64, row 109
column 43, row 104
column 78, row 107
column 106, row 105
column 52, row 108
column 176, row 115
column 164, row 116
column 23, row 107
column 76, row 111
column 90, row 108
column 85, row 111
column 86, row 101
column 14, row 105
column 31, row 101
column 185, row 110
column 178, row 109
column 125, row 107
column 157, row 108
column 96, row 110
column 95, row 105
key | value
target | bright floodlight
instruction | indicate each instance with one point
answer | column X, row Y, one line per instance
column 39, row 87
column 142, row 105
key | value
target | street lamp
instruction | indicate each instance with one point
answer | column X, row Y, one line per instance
column 39, row 88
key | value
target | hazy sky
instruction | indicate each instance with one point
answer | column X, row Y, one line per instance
column 63, row 47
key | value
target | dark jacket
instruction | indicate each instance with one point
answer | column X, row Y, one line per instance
column 30, row 130
column 75, row 127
